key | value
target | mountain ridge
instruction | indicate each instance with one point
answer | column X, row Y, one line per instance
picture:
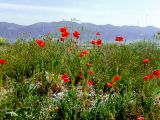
column 12, row 31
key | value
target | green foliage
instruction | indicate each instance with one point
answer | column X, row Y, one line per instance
column 27, row 87
column 3, row 41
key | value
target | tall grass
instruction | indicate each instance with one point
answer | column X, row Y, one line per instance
column 30, row 82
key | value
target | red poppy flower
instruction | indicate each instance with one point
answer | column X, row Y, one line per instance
column 40, row 43
column 65, row 34
column 3, row 61
column 146, row 77
column 81, row 55
column 62, row 39
column 63, row 29
column 109, row 85
column 116, row 78
column 85, row 52
column 89, row 72
column 140, row 118
column 98, row 34
column 89, row 64
column 156, row 73
column 81, row 76
column 119, row 39
column 146, row 60
column 150, row 76
column 65, row 78
column 93, row 42
column 90, row 82
column 76, row 34
column 99, row 42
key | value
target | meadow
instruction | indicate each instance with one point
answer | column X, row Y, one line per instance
column 45, row 79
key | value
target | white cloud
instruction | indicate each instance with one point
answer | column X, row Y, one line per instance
column 32, row 7
column 28, row 14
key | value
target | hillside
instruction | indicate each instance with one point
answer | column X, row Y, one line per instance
column 108, row 32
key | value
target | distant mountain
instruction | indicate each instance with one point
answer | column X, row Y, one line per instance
column 88, row 30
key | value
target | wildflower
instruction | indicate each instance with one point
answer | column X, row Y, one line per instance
column 63, row 29
column 99, row 42
column 147, row 77
column 156, row 73
column 88, row 64
column 3, row 61
column 62, row 39
column 90, row 82
column 140, row 118
column 85, row 52
column 89, row 72
column 109, row 85
column 81, row 76
column 76, row 34
column 98, row 34
column 81, row 55
column 116, row 78
column 146, row 60
column 93, row 42
column 40, row 43
column 65, row 78
column 119, row 39
column 65, row 34
column 150, row 76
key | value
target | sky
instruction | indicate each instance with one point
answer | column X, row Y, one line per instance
column 100, row 12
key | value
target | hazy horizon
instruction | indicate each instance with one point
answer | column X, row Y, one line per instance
column 133, row 13
column 76, row 22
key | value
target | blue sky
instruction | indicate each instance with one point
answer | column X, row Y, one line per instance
column 116, row 12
